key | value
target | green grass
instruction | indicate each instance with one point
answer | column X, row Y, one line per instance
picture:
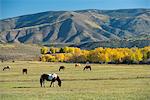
column 104, row 82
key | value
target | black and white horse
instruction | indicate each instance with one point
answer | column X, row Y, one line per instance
column 50, row 77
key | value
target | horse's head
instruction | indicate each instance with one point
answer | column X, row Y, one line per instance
column 59, row 81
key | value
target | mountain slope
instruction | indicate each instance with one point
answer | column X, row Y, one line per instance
column 76, row 26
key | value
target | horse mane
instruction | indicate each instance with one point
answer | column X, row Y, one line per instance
column 42, row 78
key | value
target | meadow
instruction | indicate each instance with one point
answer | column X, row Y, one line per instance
column 104, row 82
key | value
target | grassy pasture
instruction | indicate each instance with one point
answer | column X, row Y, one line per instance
column 104, row 82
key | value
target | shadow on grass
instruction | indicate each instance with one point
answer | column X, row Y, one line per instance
column 124, row 78
column 24, row 87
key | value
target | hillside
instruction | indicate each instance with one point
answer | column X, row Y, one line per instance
column 114, row 44
column 77, row 27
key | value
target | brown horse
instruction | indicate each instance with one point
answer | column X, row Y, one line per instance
column 50, row 77
column 6, row 68
column 87, row 67
column 61, row 67
column 24, row 71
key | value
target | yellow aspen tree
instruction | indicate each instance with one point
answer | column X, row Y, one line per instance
column 60, row 57
column 44, row 50
column 138, row 55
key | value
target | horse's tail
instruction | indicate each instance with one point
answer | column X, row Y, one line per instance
column 41, row 81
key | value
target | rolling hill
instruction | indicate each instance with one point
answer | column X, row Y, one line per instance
column 79, row 27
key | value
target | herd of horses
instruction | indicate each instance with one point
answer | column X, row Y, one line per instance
column 76, row 65
column 24, row 71
column 50, row 77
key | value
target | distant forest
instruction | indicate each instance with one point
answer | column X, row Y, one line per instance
column 98, row 55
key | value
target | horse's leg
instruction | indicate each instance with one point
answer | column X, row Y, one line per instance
column 84, row 69
column 44, row 83
column 4, row 69
column 51, row 83
column 41, row 81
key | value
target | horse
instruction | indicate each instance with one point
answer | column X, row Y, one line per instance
column 24, row 71
column 77, row 65
column 2, row 60
column 61, row 67
column 50, row 77
column 87, row 67
column 6, row 68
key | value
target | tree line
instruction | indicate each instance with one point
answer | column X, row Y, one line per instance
column 98, row 55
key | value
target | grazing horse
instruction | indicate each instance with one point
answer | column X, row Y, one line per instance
column 2, row 60
column 24, row 71
column 77, row 65
column 61, row 67
column 50, row 77
column 6, row 68
column 87, row 67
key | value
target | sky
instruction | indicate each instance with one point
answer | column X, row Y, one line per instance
column 13, row 8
